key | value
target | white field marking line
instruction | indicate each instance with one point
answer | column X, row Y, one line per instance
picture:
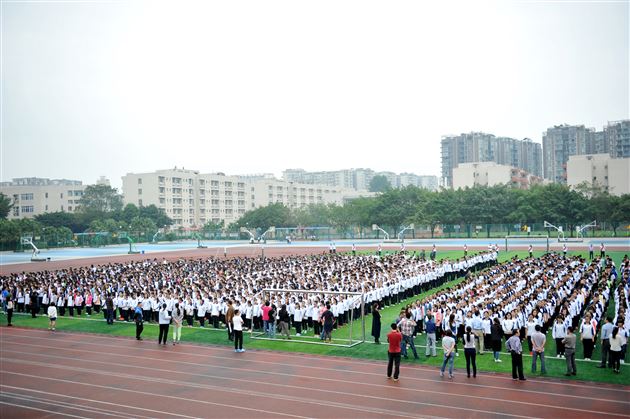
column 350, row 361
column 233, row 389
column 94, row 401
column 43, row 401
column 43, row 410
column 286, row 398
column 150, row 394
column 306, row 388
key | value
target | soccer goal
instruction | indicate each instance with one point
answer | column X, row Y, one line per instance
column 523, row 240
column 343, row 336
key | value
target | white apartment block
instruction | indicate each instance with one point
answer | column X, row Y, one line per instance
column 192, row 199
column 612, row 174
column 491, row 174
column 35, row 196
column 358, row 179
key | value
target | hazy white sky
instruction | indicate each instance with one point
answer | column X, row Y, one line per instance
column 106, row 88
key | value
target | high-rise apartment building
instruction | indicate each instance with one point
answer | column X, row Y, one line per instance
column 562, row 141
column 34, row 196
column 617, row 138
column 192, row 199
column 478, row 147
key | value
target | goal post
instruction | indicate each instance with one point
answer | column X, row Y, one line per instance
column 525, row 240
column 357, row 301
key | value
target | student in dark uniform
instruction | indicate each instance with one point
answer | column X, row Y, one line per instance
column 138, row 317
column 376, row 323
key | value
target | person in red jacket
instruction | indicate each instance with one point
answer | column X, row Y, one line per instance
column 394, row 337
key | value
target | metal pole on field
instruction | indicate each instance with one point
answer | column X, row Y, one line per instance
column 363, row 314
column 351, row 321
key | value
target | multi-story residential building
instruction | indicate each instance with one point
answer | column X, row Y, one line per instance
column 35, row 196
column 617, row 138
column 191, row 199
column 611, row 174
column 563, row 141
column 560, row 142
column 478, row 147
column 358, row 179
column 491, row 174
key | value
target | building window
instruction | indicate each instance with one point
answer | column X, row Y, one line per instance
column 26, row 197
column 139, row 191
column 69, row 208
column 46, row 194
column 139, row 181
column 61, row 196
column 139, row 202
column 27, row 209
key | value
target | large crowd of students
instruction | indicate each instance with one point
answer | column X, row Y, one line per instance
column 205, row 289
column 530, row 298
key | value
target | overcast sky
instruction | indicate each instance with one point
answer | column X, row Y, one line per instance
column 106, row 88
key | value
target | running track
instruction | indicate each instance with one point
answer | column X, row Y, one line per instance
column 44, row 374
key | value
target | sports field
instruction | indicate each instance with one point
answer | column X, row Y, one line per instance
column 423, row 371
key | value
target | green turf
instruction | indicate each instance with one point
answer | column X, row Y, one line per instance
column 555, row 367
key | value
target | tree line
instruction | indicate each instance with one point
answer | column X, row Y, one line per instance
column 395, row 208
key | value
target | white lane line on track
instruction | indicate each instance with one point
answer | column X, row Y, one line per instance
column 327, row 369
column 342, row 360
column 262, row 383
column 43, row 410
column 145, row 393
column 274, row 396
column 79, row 399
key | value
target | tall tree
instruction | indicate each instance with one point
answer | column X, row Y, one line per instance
column 379, row 183
column 100, row 199
column 5, row 205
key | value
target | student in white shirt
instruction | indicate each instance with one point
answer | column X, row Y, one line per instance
column 237, row 324
column 559, row 332
column 164, row 320
column 52, row 317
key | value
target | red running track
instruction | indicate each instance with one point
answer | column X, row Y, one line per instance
column 45, row 374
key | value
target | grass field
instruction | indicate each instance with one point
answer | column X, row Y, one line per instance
column 555, row 367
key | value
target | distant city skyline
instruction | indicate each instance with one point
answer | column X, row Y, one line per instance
column 253, row 87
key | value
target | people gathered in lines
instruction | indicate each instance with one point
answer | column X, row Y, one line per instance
column 207, row 291
column 552, row 294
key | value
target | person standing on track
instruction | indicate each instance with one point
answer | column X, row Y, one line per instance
column 449, row 345
column 237, row 323
column 394, row 338
column 164, row 319
column 10, row 304
column 470, row 352
column 515, row 348
column 178, row 320
column 52, row 317
column 229, row 314
column 138, row 318
column 328, row 320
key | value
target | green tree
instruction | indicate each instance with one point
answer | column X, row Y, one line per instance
column 129, row 213
column 379, row 183
column 264, row 217
column 156, row 214
column 5, row 206
column 100, row 199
